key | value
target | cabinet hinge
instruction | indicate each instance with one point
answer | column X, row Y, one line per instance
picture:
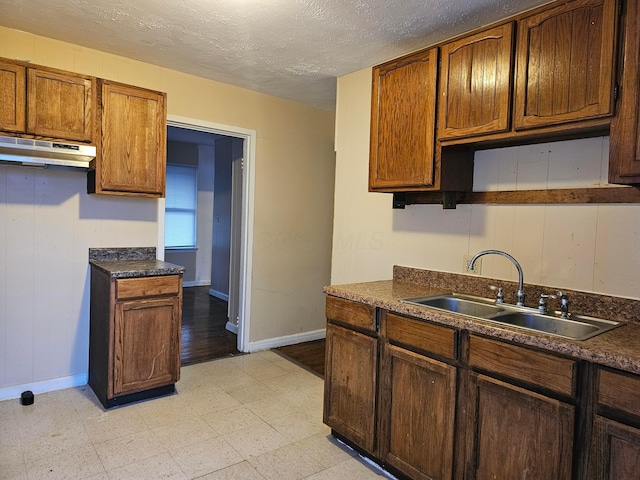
column 616, row 92
column 620, row 8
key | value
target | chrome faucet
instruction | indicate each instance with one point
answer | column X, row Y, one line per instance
column 564, row 304
column 520, row 294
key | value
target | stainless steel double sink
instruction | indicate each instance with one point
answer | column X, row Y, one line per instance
column 576, row 327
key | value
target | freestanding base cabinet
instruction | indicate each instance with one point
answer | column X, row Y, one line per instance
column 134, row 349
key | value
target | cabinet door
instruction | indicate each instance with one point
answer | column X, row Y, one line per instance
column 350, row 385
column 418, row 398
column 565, row 58
column 403, row 109
column 133, row 141
column 475, row 84
column 615, row 452
column 60, row 105
column 147, row 344
column 518, row 434
column 12, row 97
column 624, row 152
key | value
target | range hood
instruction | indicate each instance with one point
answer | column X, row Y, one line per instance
column 40, row 153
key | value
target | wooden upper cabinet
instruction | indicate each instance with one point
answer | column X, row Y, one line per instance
column 475, row 84
column 624, row 152
column 403, row 110
column 46, row 102
column 565, row 64
column 12, row 97
column 60, row 105
column 131, row 157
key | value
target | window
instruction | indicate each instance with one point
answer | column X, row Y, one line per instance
column 180, row 206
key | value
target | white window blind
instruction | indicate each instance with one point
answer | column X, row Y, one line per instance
column 180, row 206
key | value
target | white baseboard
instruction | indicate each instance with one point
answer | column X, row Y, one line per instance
column 196, row 283
column 220, row 295
column 287, row 340
column 15, row 391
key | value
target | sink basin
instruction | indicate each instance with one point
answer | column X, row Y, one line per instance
column 462, row 304
column 577, row 327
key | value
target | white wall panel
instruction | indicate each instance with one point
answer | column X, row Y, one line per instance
column 20, row 268
column 55, row 209
column 4, row 274
column 617, row 251
column 528, row 244
column 50, row 224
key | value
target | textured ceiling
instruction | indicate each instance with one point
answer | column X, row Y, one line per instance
column 293, row 49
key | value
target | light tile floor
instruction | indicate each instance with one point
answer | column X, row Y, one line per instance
column 253, row 417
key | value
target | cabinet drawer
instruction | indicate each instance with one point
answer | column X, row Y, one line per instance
column 619, row 391
column 424, row 336
column 147, row 286
column 542, row 369
column 351, row 313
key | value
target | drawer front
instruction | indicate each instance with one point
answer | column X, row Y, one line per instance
column 147, row 286
column 351, row 313
column 619, row 391
column 542, row 369
column 424, row 336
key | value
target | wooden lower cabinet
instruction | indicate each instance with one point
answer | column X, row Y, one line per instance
column 615, row 444
column 152, row 323
column 615, row 452
column 134, row 339
column 431, row 402
column 417, row 414
column 351, row 384
column 517, row 434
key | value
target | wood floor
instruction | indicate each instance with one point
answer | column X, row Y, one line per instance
column 205, row 337
column 204, row 333
column 308, row 354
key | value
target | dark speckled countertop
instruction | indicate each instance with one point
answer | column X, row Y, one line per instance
column 131, row 262
column 619, row 348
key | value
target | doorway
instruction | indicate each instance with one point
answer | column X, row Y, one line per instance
column 238, row 226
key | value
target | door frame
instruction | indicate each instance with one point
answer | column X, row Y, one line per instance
column 246, row 228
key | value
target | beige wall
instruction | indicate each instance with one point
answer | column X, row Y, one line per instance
column 47, row 221
column 584, row 247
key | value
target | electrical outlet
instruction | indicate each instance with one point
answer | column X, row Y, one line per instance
column 477, row 267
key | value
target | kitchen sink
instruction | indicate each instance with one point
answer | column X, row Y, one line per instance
column 462, row 304
column 577, row 327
